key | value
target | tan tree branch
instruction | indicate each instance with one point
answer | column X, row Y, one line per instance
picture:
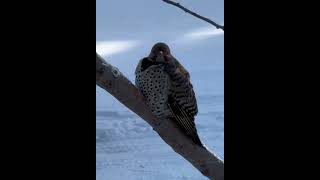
column 113, row 81
column 194, row 14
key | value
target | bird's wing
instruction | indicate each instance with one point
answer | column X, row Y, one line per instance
column 183, row 105
column 182, row 91
column 184, row 120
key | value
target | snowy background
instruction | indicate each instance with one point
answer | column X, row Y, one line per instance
column 126, row 147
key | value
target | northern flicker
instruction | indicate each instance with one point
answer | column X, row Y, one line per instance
column 166, row 85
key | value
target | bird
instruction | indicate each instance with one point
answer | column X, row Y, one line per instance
column 165, row 83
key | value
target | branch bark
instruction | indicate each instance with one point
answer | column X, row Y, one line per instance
column 194, row 14
column 113, row 81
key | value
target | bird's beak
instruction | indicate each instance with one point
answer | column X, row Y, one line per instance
column 160, row 58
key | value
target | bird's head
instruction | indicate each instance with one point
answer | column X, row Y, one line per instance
column 160, row 53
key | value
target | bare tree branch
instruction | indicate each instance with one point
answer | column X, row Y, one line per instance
column 194, row 14
column 113, row 81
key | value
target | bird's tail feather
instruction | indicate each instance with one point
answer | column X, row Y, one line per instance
column 196, row 139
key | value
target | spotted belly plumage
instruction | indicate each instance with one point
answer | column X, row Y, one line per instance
column 154, row 84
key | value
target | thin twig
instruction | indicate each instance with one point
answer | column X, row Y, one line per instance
column 194, row 14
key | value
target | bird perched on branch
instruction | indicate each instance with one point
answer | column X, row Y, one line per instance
column 169, row 93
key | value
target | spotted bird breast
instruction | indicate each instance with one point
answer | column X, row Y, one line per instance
column 154, row 84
